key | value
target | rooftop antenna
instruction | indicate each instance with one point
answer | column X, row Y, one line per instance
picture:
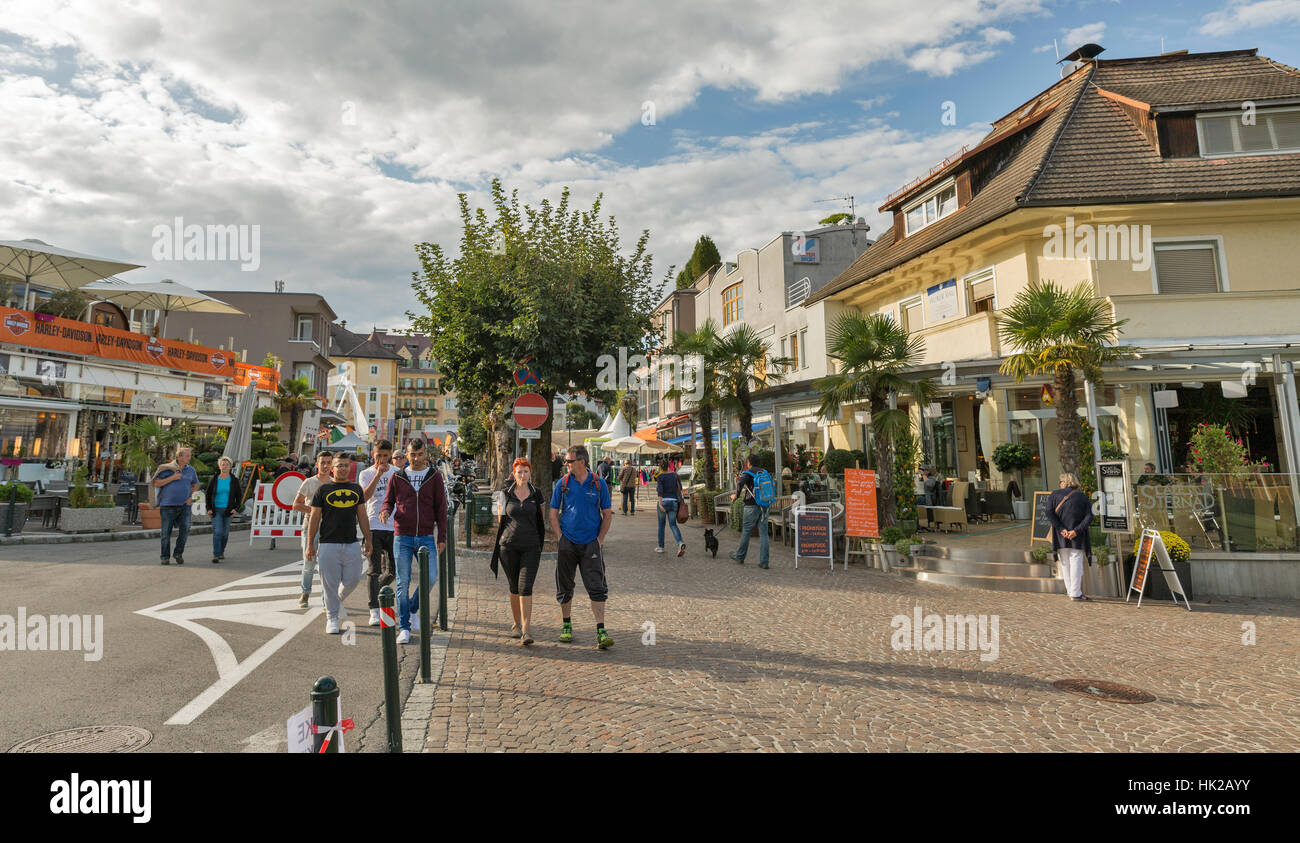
column 1057, row 47
column 1162, row 45
column 853, row 214
column 279, row 286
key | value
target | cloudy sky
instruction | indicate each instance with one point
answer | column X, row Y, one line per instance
column 345, row 130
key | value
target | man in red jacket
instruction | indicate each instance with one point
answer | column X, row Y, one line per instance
column 416, row 500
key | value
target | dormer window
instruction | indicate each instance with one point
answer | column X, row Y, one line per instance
column 933, row 206
column 1228, row 133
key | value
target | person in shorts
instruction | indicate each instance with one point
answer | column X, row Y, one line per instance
column 581, row 512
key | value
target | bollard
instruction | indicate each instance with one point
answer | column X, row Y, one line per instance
column 388, row 642
column 450, row 569
column 9, row 517
column 469, row 512
column 442, row 591
column 425, row 628
column 324, row 713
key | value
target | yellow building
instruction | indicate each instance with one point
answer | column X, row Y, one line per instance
column 1168, row 184
column 423, row 407
column 372, row 370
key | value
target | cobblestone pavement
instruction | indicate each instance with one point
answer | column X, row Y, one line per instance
column 801, row 660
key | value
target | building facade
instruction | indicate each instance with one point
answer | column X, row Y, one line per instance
column 424, row 408
column 373, row 372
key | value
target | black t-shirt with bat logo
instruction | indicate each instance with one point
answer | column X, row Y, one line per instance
column 338, row 504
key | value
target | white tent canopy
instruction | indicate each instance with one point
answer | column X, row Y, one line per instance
column 349, row 442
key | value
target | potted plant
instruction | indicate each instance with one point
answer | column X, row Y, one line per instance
column 20, row 494
column 912, row 546
column 87, row 512
column 1013, row 456
column 890, row 537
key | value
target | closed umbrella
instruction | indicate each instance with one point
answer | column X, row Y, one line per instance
column 37, row 262
column 239, row 444
column 165, row 295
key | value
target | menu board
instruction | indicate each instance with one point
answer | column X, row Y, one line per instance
column 1041, row 525
column 813, row 533
column 860, row 503
column 247, row 475
column 1116, row 506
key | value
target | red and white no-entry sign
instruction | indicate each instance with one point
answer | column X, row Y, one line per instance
column 285, row 489
column 531, row 410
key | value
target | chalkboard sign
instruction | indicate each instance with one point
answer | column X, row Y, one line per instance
column 1041, row 525
column 1152, row 547
column 247, row 473
column 812, row 534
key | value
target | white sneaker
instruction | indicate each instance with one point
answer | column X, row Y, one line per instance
column 331, row 627
column 415, row 623
column 659, row 550
column 374, row 617
column 403, row 637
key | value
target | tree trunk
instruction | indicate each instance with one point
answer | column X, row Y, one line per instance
column 541, row 453
column 706, row 430
column 746, row 413
column 502, row 447
column 295, row 446
column 1067, row 421
column 882, row 447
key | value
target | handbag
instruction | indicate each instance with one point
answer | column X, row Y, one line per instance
column 1051, row 533
column 682, row 514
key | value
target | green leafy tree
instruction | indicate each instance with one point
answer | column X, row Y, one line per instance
column 873, row 352
column 472, row 434
column 577, row 416
column 66, row 304
column 295, row 397
column 836, row 219
column 548, row 284
column 704, row 257
column 1058, row 331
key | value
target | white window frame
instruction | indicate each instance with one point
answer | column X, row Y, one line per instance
column 311, row 330
column 803, row 347
column 902, row 305
column 1260, row 112
column 967, row 300
column 942, row 187
column 1191, row 243
column 374, row 370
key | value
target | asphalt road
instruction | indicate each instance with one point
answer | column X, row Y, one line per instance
column 153, row 670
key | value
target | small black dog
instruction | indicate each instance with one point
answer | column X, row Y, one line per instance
column 711, row 543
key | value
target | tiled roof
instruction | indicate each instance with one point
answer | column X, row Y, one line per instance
column 1088, row 150
column 344, row 343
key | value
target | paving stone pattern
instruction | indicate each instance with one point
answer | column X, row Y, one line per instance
column 801, row 660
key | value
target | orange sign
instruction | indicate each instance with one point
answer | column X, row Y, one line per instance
column 38, row 330
column 268, row 379
column 860, row 518
column 1143, row 564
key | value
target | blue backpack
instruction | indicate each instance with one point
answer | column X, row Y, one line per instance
column 764, row 489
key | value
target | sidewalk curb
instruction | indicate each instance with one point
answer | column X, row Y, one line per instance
column 119, row 536
column 417, row 710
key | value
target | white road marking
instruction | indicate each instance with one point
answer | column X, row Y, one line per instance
column 284, row 615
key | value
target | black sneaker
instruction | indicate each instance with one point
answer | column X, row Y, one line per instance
column 216, row 559
column 165, row 562
column 180, row 560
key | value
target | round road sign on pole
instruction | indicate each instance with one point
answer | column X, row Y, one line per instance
column 285, row 489
column 530, row 410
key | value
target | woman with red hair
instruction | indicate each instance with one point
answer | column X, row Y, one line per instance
column 520, row 533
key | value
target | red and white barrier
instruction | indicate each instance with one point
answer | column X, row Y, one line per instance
column 273, row 516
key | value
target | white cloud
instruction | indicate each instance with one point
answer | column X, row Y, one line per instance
column 1250, row 14
column 249, row 112
column 1091, row 33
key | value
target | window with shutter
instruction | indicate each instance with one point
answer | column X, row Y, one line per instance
column 979, row 292
column 1272, row 130
column 912, row 318
column 1185, row 268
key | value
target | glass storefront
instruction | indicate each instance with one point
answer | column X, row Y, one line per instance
column 33, row 434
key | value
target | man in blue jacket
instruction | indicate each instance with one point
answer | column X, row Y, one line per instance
column 1070, row 511
column 581, row 512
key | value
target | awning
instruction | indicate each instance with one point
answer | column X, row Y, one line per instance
column 674, row 421
column 680, row 439
column 649, row 434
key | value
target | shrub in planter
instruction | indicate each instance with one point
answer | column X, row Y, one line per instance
column 890, row 537
column 1039, row 555
column 21, row 499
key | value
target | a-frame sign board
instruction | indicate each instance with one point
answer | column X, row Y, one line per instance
column 1150, row 547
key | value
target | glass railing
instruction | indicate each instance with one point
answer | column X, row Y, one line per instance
column 1251, row 513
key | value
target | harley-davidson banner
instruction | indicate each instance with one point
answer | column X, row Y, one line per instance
column 22, row 327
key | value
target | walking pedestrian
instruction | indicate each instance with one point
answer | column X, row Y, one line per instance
column 605, row 470
column 302, row 503
column 416, row 501
column 224, row 494
column 1070, row 512
column 627, row 480
column 669, row 488
column 176, row 482
column 581, row 512
column 754, row 487
column 337, row 511
column 520, row 532
column 374, row 486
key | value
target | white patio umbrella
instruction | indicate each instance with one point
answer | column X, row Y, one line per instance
column 239, row 444
column 37, row 262
column 637, row 445
column 165, row 295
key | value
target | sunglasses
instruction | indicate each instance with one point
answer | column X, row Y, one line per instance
column 569, row 461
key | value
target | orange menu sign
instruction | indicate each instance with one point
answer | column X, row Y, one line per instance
column 1143, row 563
column 860, row 517
column 38, row 330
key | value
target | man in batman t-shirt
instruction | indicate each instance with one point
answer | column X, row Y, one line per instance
column 337, row 511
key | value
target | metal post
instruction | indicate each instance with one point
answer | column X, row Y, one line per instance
column 442, row 590
column 9, row 516
column 1289, row 415
column 325, row 712
column 388, row 643
column 469, row 512
column 451, row 547
column 425, row 665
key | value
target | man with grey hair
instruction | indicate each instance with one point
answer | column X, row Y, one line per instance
column 176, row 482
column 581, row 513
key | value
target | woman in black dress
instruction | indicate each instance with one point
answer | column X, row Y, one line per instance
column 519, row 545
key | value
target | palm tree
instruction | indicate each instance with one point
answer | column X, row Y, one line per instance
column 705, row 397
column 295, row 397
column 874, row 352
column 743, row 366
column 1058, row 331
column 146, row 443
